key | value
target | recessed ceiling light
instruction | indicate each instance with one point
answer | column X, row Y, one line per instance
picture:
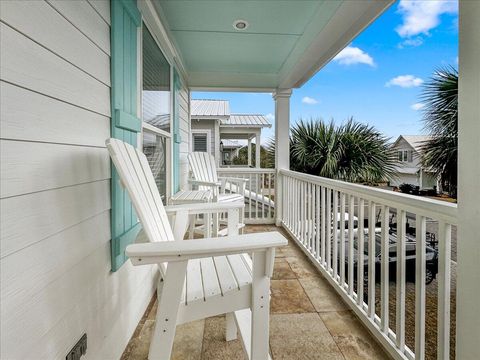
column 240, row 25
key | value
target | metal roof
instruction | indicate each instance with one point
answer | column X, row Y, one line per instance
column 209, row 108
column 230, row 143
column 246, row 120
column 415, row 141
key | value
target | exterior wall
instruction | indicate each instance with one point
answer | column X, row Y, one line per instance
column 406, row 179
column 403, row 145
column 56, row 282
column 206, row 125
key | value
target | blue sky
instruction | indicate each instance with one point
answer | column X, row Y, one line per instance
column 378, row 78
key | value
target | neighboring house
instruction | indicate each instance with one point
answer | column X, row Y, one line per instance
column 213, row 124
column 229, row 150
column 409, row 168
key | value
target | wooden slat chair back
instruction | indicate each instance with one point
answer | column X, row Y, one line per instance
column 205, row 277
column 203, row 168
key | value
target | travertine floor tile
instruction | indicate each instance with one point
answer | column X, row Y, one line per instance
column 186, row 346
column 301, row 336
column 321, row 294
column 214, row 345
column 287, row 296
column 352, row 338
column 301, row 266
column 282, row 270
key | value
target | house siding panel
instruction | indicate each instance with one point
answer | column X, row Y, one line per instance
column 55, row 264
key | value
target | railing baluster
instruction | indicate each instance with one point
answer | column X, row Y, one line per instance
column 351, row 211
column 400, row 294
column 317, row 222
column 250, row 196
column 371, row 259
column 310, row 218
column 302, row 212
column 420, row 287
column 323, row 229
column 361, row 255
column 443, row 279
column 335, row 235
column 297, row 201
column 384, row 274
column 328, row 236
column 342, row 240
column 269, row 184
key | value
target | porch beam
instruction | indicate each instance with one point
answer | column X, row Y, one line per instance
column 468, row 275
column 282, row 144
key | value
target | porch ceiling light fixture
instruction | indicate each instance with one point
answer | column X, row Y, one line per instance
column 240, row 25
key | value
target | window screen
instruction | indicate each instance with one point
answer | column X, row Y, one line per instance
column 156, row 84
column 200, row 142
column 155, row 149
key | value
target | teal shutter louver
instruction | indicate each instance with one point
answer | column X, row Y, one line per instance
column 125, row 124
column 177, row 86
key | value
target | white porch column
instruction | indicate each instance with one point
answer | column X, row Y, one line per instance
column 257, row 150
column 468, row 245
column 282, row 144
column 249, row 152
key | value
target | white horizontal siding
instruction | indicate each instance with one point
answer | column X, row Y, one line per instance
column 42, row 23
column 103, row 8
column 46, row 119
column 27, row 64
column 56, row 282
column 31, row 166
column 84, row 17
column 31, row 218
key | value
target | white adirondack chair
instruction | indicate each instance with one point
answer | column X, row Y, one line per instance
column 199, row 278
column 204, row 171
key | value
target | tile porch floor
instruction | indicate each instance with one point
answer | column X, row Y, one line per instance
column 308, row 320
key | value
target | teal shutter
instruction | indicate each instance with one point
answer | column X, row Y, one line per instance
column 125, row 125
column 177, row 86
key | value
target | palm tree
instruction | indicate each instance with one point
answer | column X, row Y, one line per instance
column 351, row 152
column 440, row 96
column 242, row 157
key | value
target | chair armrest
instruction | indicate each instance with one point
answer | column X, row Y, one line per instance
column 167, row 251
column 204, row 208
column 204, row 183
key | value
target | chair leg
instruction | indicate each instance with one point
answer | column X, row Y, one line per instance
column 231, row 327
column 166, row 319
column 260, row 308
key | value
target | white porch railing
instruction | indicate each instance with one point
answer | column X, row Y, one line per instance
column 259, row 192
column 318, row 211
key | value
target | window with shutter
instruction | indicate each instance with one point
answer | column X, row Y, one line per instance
column 200, row 142
column 156, row 96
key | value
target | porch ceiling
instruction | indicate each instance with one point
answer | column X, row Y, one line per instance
column 285, row 43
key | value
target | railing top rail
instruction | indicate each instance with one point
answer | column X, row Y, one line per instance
column 245, row 170
column 436, row 209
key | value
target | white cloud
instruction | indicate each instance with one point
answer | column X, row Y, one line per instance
column 413, row 42
column 405, row 81
column 419, row 16
column 270, row 117
column 417, row 106
column 353, row 55
column 310, row 101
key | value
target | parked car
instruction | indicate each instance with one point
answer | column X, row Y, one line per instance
column 431, row 259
